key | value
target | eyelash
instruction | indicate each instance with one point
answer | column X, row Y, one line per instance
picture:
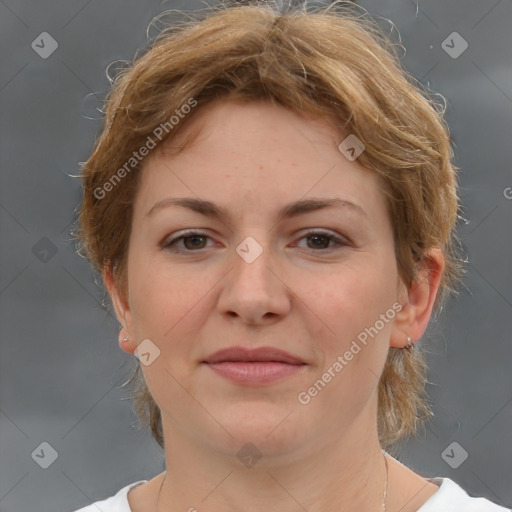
column 171, row 244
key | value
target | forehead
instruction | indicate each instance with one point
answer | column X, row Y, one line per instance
column 259, row 119
column 253, row 154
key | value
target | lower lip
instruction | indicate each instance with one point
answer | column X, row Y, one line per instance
column 255, row 372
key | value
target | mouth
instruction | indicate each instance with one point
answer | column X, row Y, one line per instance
column 254, row 366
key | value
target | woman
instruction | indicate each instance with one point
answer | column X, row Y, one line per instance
column 272, row 205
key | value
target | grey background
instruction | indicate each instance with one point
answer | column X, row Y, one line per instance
column 61, row 366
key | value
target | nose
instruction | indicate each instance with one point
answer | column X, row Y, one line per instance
column 255, row 289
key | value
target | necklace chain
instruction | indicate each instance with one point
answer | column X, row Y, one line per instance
column 384, row 500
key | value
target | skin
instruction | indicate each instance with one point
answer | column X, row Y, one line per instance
column 252, row 159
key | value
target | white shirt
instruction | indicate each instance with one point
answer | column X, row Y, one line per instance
column 449, row 498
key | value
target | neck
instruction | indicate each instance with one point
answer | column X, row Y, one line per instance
column 348, row 474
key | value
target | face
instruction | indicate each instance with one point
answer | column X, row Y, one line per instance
column 311, row 282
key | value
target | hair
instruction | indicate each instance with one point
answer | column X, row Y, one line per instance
column 332, row 62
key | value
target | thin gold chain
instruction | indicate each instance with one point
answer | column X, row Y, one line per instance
column 385, row 501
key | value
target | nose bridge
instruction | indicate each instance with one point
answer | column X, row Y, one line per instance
column 253, row 257
column 252, row 291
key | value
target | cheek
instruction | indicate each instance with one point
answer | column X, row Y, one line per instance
column 166, row 309
column 352, row 298
column 167, row 306
column 352, row 329
column 160, row 294
column 170, row 304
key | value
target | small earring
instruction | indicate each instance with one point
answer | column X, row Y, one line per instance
column 409, row 344
column 125, row 338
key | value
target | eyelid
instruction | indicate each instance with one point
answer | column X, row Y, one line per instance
column 183, row 234
column 325, row 232
column 337, row 239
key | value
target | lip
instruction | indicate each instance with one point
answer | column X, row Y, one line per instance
column 260, row 355
column 254, row 366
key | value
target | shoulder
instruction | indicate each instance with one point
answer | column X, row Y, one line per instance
column 452, row 498
column 116, row 503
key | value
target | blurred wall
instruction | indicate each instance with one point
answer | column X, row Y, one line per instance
column 61, row 367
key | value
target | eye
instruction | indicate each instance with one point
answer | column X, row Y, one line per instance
column 320, row 240
column 193, row 241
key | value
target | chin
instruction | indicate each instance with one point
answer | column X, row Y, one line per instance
column 272, row 429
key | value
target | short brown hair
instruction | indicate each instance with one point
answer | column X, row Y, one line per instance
column 331, row 62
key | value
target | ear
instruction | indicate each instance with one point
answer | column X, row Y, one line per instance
column 418, row 301
column 122, row 310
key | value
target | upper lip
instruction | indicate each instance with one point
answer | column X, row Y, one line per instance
column 261, row 354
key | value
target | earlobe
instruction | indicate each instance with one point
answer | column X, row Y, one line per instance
column 413, row 319
column 126, row 343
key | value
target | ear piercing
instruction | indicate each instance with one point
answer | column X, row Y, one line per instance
column 409, row 344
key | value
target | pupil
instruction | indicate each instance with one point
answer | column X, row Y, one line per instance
column 195, row 238
column 317, row 238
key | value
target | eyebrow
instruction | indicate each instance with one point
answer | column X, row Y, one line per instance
column 300, row 207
